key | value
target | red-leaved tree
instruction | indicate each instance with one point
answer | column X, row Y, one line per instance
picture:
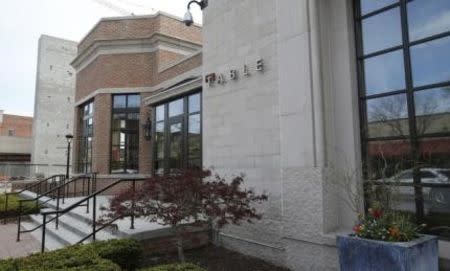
column 191, row 197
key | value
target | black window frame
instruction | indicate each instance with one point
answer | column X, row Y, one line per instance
column 185, row 132
column 127, row 110
column 413, row 138
column 85, row 153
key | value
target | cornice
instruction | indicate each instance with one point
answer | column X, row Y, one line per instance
column 156, row 42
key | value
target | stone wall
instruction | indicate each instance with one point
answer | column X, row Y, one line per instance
column 290, row 129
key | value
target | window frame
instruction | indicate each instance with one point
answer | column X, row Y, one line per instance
column 84, row 159
column 414, row 138
column 185, row 131
column 127, row 111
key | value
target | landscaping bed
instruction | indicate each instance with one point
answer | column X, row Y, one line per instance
column 214, row 258
column 126, row 254
column 13, row 206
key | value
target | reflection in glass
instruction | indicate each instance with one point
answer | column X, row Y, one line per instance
column 194, row 124
column 382, row 31
column 134, row 101
column 125, row 134
column 430, row 62
column 120, row 101
column 387, row 116
column 175, row 146
column 385, row 159
column 427, row 18
column 433, row 110
column 176, row 108
column 385, row 73
column 372, row 5
column 178, row 137
column 194, row 103
column 435, row 158
column 87, row 132
column 160, row 113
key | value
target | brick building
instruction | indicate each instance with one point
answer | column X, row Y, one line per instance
column 15, row 138
column 124, row 66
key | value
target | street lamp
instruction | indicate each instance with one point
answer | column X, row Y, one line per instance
column 69, row 140
column 188, row 20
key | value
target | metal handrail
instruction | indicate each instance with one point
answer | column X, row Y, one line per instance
column 61, row 177
column 92, row 179
column 92, row 196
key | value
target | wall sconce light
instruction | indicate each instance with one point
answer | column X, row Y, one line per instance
column 188, row 20
column 147, row 126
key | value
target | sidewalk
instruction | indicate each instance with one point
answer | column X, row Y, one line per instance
column 9, row 248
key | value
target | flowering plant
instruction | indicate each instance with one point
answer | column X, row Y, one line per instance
column 386, row 226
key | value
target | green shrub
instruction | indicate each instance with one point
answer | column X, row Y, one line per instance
column 176, row 267
column 127, row 253
column 71, row 258
column 13, row 206
column 110, row 255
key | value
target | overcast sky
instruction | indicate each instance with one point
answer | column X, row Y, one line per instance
column 23, row 21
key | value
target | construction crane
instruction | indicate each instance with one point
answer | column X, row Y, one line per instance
column 120, row 10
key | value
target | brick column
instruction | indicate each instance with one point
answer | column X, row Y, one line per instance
column 102, row 134
column 145, row 146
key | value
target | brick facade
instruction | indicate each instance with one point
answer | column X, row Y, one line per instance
column 130, row 69
column 140, row 27
column 19, row 126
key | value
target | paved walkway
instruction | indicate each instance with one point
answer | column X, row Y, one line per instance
column 9, row 248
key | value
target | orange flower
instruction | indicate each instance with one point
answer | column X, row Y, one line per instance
column 357, row 229
column 394, row 231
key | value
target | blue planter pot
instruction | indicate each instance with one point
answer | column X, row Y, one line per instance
column 358, row 254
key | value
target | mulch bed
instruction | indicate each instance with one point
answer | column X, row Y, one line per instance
column 215, row 258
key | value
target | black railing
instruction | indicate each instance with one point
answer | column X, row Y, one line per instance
column 59, row 194
column 93, row 197
column 38, row 187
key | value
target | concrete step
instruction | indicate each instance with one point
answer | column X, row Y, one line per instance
column 62, row 235
column 51, row 243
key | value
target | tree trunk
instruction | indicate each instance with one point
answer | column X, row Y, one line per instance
column 179, row 238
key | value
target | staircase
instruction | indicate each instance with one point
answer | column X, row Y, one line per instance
column 73, row 226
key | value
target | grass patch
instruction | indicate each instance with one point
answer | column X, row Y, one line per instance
column 13, row 206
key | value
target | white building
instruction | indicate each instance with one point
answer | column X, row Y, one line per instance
column 54, row 102
column 322, row 105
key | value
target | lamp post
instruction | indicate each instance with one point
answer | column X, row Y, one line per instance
column 69, row 140
column 188, row 20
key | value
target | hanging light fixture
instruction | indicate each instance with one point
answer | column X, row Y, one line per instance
column 188, row 19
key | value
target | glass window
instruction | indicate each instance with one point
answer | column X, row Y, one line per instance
column 177, row 141
column 433, row 110
column 125, row 134
column 134, row 101
column 387, row 116
column 385, row 73
column 160, row 113
column 120, row 101
column 386, row 159
column 86, row 134
column 194, row 103
column 430, row 62
column 368, row 6
column 176, row 108
column 382, row 31
column 408, row 142
column 427, row 18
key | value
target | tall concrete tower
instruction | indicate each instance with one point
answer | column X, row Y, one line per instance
column 53, row 103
